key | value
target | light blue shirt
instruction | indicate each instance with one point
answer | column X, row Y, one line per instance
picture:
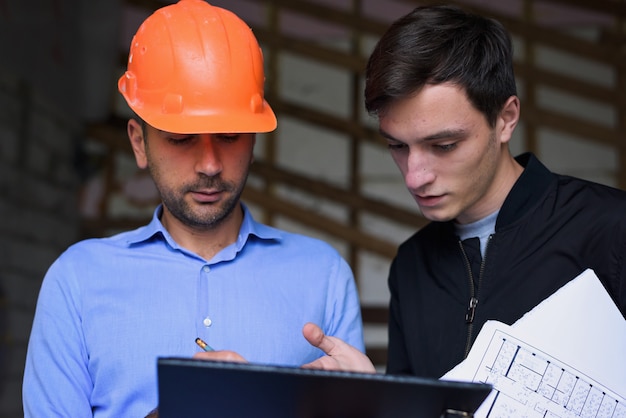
column 482, row 229
column 108, row 308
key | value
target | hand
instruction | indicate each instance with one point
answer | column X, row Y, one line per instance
column 220, row 355
column 153, row 414
column 339, row 354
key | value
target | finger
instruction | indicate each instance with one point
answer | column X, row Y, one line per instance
column 316, row 337
column 221, row 355
column 313, row 334
column 323, row 363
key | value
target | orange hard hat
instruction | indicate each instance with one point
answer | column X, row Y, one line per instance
column 197, row 68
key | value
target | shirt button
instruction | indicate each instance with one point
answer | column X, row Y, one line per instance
column 207, row 322
column 206, row 269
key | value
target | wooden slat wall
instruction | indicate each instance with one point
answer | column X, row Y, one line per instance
column 609, row 51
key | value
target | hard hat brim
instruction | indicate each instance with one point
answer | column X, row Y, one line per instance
column 232, row 122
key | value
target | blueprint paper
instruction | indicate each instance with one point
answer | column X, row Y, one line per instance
column 565, row 358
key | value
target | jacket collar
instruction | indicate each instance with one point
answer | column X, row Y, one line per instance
column 527, row 191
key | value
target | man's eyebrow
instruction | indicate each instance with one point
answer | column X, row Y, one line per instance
column 445, row 134
column 170, row 133
column 387, row 135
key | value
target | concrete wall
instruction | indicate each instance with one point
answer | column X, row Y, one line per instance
column 55, row 73
column 38, row 217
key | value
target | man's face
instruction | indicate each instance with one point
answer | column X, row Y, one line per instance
column 448, row 154
column 200, row 177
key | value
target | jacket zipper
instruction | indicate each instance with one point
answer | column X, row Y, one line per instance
column 473, row 302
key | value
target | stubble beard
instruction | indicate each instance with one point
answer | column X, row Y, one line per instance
column 209, row 215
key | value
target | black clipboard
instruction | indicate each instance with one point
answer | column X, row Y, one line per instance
column 197, row 388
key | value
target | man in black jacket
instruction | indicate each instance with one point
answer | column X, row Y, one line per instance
column 506, row 233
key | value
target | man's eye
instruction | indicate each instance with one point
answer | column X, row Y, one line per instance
column 180, row 140
column 396, row 147
column 446, row 147
column 228, row 137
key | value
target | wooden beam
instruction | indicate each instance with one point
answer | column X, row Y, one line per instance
column 325, row 190
column 325, row 224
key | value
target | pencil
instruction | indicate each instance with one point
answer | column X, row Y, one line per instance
column 203, row 345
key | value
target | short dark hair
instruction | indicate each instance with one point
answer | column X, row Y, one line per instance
column 439, row 44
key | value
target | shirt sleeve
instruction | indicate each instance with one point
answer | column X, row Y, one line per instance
column 346, row 322
column 56, row 378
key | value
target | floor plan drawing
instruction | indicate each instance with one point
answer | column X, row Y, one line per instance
column 530, row 383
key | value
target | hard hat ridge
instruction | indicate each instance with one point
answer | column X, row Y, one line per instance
column 197, row 68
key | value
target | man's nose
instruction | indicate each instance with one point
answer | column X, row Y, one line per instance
column 418, row 171
column 208, row 159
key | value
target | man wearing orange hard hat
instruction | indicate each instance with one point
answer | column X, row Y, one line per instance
column 203, row 267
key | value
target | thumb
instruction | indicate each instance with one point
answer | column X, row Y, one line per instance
column 316, row 337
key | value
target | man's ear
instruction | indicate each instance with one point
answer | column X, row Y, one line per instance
column 508, row 118
column 136, row 137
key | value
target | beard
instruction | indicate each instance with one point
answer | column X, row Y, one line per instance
column 209, row 215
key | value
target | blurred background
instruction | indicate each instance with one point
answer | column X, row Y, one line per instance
column 67, row 172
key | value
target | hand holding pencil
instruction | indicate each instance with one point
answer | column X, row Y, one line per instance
column 209, row 353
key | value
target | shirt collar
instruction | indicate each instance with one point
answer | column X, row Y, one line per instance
column 249, row 227
column 481, row 228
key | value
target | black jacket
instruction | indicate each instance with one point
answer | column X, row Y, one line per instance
column 549, row 230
